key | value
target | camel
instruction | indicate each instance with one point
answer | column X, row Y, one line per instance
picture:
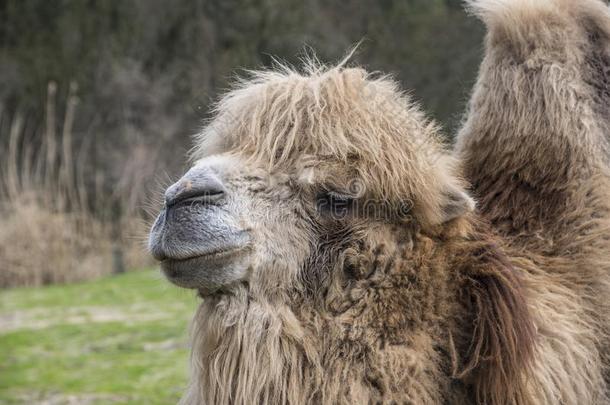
column 344, row 254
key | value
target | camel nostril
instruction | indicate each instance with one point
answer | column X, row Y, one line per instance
column 195, row 186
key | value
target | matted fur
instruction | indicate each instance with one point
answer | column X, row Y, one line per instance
column 505, row 305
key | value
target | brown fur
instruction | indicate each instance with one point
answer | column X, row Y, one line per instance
column 503, row 338
column 535, row 147
column 508, row 304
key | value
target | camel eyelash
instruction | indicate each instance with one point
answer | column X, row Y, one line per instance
column 334, row 204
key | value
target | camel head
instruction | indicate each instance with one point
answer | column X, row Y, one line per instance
column 322, row 207
column 291, row 171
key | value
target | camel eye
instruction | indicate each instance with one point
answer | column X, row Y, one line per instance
column 333, row 204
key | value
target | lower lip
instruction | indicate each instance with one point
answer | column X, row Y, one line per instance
column 219, row 254
column 214, row 254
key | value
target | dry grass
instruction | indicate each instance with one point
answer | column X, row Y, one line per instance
column 54, row 228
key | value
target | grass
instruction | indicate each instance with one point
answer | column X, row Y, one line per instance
column 120, row 339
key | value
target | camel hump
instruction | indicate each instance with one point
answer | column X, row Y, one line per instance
column 519, row 17
column 535, row 139
column 567, row 34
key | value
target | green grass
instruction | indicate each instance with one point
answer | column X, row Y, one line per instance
column 121, row 339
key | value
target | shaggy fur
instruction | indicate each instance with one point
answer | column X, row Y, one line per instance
column 535, row 148
column 444, row 305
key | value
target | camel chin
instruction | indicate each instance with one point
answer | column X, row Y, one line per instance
column 199, row 249
column 209, row 274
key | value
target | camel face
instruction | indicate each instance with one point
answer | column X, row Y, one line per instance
column 219, row 227
column 292, row 170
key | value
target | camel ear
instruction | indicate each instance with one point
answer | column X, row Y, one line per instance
column 501, row 342
column 456, row 202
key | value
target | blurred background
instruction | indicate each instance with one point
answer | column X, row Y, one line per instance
column 98, row 103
